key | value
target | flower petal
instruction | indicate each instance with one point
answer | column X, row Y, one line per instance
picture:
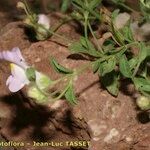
column 14, row 56
column 19, row 73
column 17, row 80
column 44, row 20
column 42, row 80
column 14, row 84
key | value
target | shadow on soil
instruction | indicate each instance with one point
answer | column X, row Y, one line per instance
column 26, row 114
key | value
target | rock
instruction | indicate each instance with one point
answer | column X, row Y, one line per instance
column 144, row 144
column 121, row 20
column 141, row 33
column 13, row 35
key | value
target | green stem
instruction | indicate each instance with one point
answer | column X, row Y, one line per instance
column 136, row 69
column 92, row 12
column 64, row 21
column 28, row 10
column 85, row 29
column 82, row 68
column 127, row 46
column 50, row 32
column 126, row 7
column 98, row 46
column 63, row 92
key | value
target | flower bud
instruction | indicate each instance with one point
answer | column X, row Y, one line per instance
column 143, row 102
column 41, row 33
column 28, row 21
column 42, row 29
column 21, row 5
column 44, row 20
column 43, row 81
column 35, row 93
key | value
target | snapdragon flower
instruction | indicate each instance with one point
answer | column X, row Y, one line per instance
column 14, row 56
column 19, row 78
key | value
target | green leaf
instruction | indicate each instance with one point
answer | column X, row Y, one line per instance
column 148, row 50
column 115, row 14
column 43, row 81
column 94, row 3
column 127, row 32
column 84, row 47
column 37, row 94
column 142, row 84
column 96, row 66
column 107, row 66
column 111, row 83
column 77, row 47
column 79, row 2
column 125, row 67
column 119, row 53
column 70, row 96
column 30, row 73
column 59, row 68
column 143, row 52
column 87, row 44
column 133, row 62
column 116, row 33
column 65, row 5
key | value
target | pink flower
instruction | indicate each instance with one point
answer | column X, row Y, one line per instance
column 18, row 79
column 14, row 56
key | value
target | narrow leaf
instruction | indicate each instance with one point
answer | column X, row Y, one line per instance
column 65, row 5
column 143, row 52
column 142, row 84
column 107, row 66
column 59, row 68
column 125, row 67
column 70, row 96
column 111, row 83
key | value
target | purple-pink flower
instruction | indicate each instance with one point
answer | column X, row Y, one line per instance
column 14, row 56
column 18, row 79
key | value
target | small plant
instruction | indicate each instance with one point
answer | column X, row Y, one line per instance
column 145, row 8
column 113, row 60
column 40, row 23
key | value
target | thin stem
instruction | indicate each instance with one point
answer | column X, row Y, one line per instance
column 136, row 69
column 126, row 7
column 65, row 20
column 50, row 32
column 63, row 92
column 98, row 46
column 27, row 8
column 82, row 68
column 85, row 29
column 127, row 46
column 92, row 12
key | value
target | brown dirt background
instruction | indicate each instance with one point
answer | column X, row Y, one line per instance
column 109, row 123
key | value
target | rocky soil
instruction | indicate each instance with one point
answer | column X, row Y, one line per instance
column 109, row 123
